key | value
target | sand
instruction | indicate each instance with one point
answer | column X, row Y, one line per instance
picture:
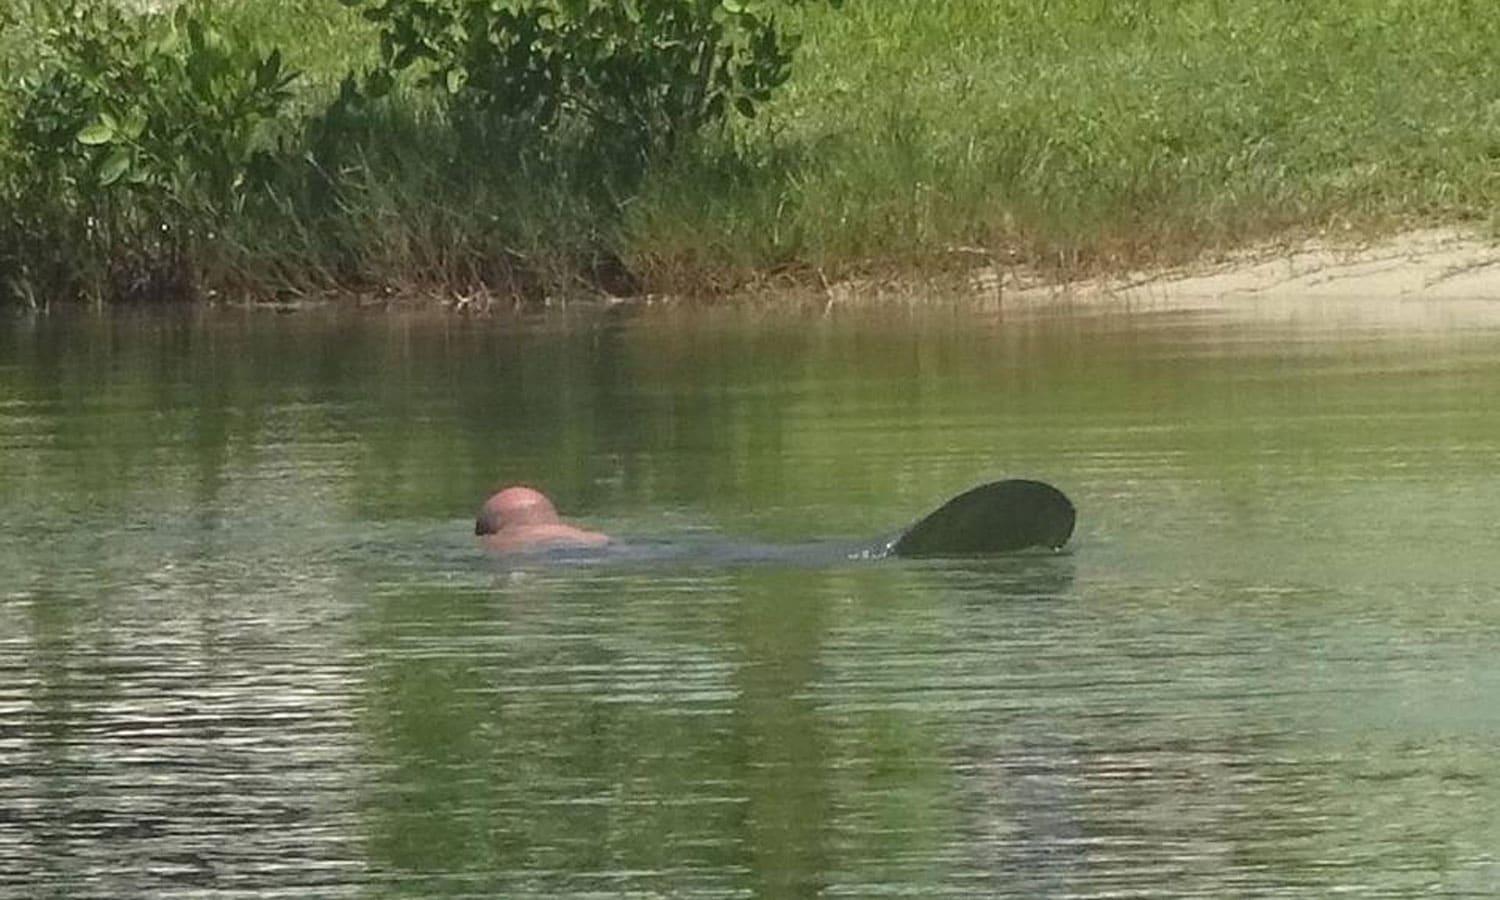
column 1438, row 271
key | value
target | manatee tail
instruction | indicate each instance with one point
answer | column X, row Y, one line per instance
column 997, row 517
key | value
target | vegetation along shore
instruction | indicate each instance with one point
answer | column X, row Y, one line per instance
column 261, row 149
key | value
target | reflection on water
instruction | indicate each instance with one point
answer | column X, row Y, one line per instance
column 248, row 647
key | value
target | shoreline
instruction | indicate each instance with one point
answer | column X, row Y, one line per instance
column 1446, row 266
column 1406, row 274
column 1433, row 263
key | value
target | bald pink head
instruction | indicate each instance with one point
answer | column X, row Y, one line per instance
column 515, row 507
column 520, row 519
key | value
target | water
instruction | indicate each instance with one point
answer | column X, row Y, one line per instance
column 249, row 648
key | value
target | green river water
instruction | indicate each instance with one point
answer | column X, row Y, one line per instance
column 248, row 646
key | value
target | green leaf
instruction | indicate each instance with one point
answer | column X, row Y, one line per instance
column 134, row 125
column 269, row 69
column 96, row 134
column 114, row 166
column 455, row 80
column 746, row 107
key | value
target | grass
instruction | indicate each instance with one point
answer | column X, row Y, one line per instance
column 1090, row 135
column 1109, row 133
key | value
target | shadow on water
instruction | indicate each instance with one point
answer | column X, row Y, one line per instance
column 1022, row 576
column 1026, row 574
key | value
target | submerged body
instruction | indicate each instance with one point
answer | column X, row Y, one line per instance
column 996, row 517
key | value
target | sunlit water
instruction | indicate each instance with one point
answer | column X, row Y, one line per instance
column 249, row 648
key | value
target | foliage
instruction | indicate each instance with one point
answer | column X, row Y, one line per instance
column 645, row 73
column 167, row 106
column 133, row 131
column 503, row 143
column 146, row 142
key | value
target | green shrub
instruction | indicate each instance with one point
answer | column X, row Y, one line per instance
column 165, row 106
column 132, row 134
column 162, row 154
column 641, row 74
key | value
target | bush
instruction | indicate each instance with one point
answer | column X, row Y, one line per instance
column 642, row 74
column 151, row 154
column 167, row 105
column 134, row 129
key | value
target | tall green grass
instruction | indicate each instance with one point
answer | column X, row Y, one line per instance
column 913, row 134
column 1109, row 132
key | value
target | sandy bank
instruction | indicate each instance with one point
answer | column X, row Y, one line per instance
column 1439, row 268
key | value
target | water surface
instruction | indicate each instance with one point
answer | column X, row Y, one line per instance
column 248, row 647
